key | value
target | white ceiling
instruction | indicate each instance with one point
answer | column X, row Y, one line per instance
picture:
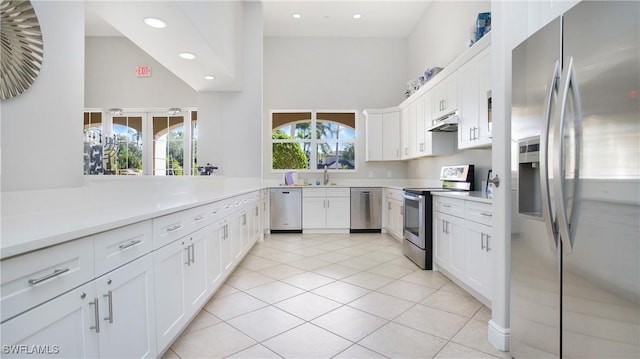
column 212, row 29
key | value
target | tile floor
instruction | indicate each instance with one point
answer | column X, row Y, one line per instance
column 336, row 296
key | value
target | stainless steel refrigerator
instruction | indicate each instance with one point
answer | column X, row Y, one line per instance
column 575, row 250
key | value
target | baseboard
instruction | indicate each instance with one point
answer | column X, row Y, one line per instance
column 498, row 336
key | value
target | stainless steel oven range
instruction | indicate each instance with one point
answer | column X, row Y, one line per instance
column 418, row 213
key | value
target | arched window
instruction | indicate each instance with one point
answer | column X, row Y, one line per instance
column 313, row 140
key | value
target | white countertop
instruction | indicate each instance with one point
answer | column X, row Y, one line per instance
column 33, row 220
column 477, row 196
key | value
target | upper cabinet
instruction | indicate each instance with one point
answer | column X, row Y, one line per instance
column 383, row 134
column 445, row 96
column 474, row 107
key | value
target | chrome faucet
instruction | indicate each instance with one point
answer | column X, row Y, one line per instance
column 326, row 176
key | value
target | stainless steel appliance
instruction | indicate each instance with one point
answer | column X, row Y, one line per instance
column 418, row 213
column 366, row 210
column 575, row 261
column 285, row 209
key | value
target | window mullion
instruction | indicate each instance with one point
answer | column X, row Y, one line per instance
column 186, row 141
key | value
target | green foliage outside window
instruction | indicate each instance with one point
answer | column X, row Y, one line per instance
column 288, row 155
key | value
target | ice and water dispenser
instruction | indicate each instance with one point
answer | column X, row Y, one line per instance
column 529, row 195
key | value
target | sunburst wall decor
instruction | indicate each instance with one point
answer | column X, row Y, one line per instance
column 22, row 49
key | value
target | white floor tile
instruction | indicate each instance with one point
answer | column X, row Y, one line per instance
column 202, row 320
column 397, row 341
column 368, row 280
column 336, row 271
column 358, row 352
column 457, row 351
column 458, row 303
column 308, row 305
column 265, row 323
column 341, row 292
column 309, row 264
column 349, row 323
column 281, row 271
column 382, row 305
column 405, row 290
column 254, row 263
column 246, row 281
column 274, row 292
column 307, row 341
column 426, row 278
column 231, row 306
column 432, row 321
column 227, row 339
column 308, row 280
column 256, row 352
column 390, row 270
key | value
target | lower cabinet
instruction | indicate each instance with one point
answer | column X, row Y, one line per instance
column 394, row 214
column 326, row 208
column 462, row 242
column 110, row 317
column 181, row 284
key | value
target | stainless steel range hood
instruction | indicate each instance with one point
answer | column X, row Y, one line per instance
column 446, row 123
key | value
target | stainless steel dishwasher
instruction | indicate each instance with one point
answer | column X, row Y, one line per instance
column 285, row 207
column 366, row 210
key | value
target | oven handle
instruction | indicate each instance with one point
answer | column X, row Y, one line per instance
column 413, row 197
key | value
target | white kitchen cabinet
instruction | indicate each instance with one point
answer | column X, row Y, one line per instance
column 326, row 208
column 181, row 284
column 127, row 314
column 474, row 128
column 449, row 244
column 226, row 252
column 479, row 257
column 462, row 232
column 382, row 134
column 110, row 317
column 394, row 213
column 407, row 130
column 214, row 256
column 445, row 96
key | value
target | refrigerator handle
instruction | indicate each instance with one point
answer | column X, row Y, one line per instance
column 567, row 226
column 547, row 206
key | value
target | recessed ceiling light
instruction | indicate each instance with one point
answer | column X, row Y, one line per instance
column 209, row 77
column 187, row 55
column 155, row 23
column 357, row 16
column 296, row 16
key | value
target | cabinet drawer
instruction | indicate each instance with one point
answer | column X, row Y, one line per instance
column 454, row 207
column 394, row 194
column 339, row 192
column 122, row 245
column 168, row 228
column 36, row 277
column 314, row 192
column 479, row 212
column 198, row 217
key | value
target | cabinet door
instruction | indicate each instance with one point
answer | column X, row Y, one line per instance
column 169, row 264
column 478, row 257
column 374, row 137
column 236, row 235
column 404, row 133
column 442, row 242
column 314, row 212
column 468, row 106
column 127, row 314
column 391, row 136
column 420, row 149
column 64, row 327
column 226, row 254
column 485, row 122
column 411, row 122
column 195, row 272
column 338, row 212
column 445, row 96
column 214, row 255
column 456, row 231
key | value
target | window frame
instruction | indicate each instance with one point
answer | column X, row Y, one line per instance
column 147, row 116
column 314, row 141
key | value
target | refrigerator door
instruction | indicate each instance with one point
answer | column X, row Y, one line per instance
column 535, row 282
column 600, row 165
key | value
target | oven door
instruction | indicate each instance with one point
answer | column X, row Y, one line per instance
column 414, row 219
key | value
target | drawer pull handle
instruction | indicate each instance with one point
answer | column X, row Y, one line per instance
column 174, row 228
column 199, row 217
column 486, row 214
column 55, row 273
column 446, row 205
column 130, row 244
column 110, row 296
column 96, row 313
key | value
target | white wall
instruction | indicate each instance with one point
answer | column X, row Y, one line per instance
column 442, row 34
column 111, row 81
column 41, row 132
column 334, row 74
column 230, row 122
